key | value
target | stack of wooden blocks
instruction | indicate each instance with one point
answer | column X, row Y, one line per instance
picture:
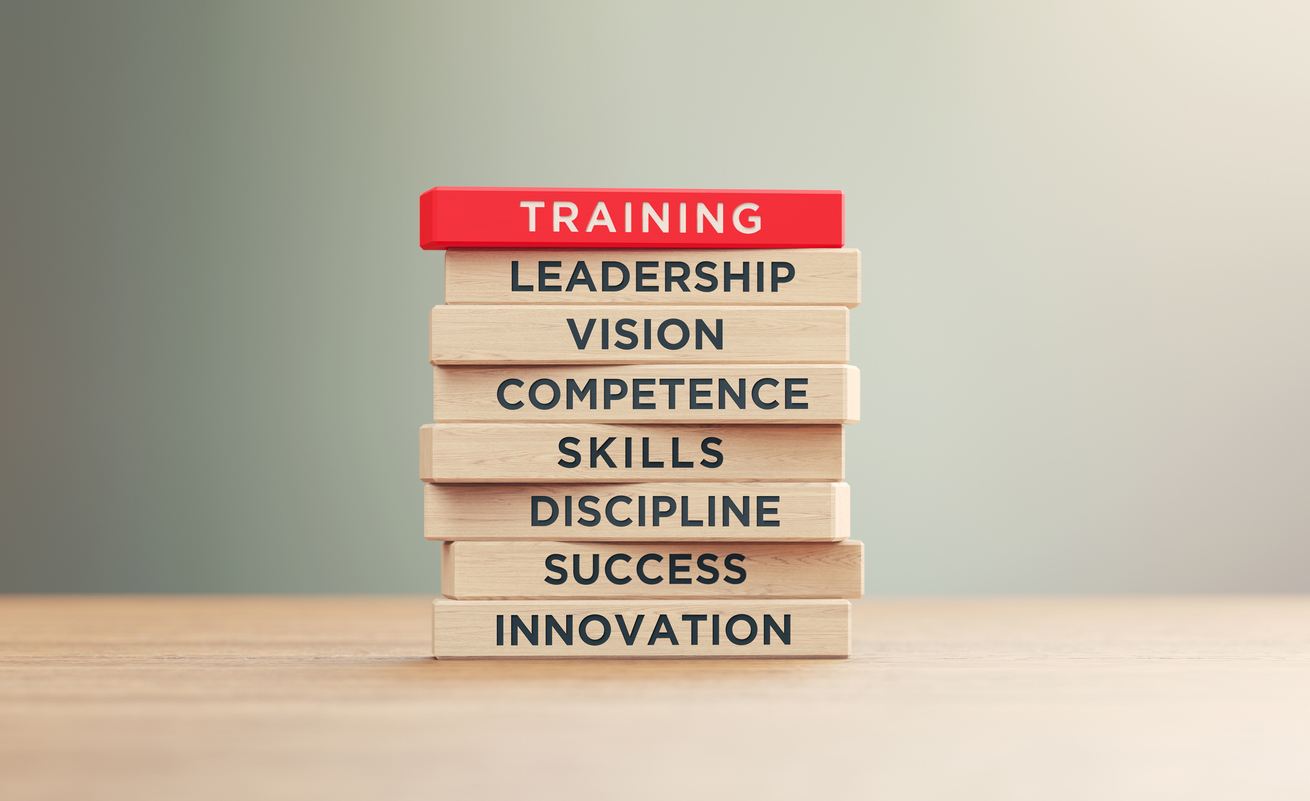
column 639, row 399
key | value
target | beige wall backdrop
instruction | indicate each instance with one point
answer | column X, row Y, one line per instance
column 1085, row 339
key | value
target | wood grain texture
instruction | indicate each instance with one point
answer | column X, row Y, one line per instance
column 725, row 334
column 225, row 697
column 818, row 276
column 811, row 393
column 473, row 571
column 646, row 629
column 511, row 452
column 805, row 511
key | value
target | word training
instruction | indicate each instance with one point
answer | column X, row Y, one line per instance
column 489, row 217
column 565, row 212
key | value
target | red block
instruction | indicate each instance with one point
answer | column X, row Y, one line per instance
column 469, row 217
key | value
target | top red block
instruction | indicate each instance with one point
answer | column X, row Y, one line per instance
column 460, row 217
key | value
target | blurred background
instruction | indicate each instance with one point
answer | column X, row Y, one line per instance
column 1085, row 336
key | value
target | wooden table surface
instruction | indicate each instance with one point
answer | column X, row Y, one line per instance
column 297, row 697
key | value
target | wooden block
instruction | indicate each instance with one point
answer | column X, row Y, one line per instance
column 627, row 334
column 473, row 571
column 811, row 277
column 497, row 217
column 592, row 452
column 645, row 629
column 753, row 511
column 648, row 393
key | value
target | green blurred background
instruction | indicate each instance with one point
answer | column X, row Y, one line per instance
column 1085, row 339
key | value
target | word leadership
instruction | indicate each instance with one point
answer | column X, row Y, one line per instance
column 614, row 276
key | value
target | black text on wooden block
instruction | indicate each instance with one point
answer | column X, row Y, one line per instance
column 674, row 570
column 708, row 512
column 647, row 393
column 784, row 629
column 802, row 277
column 625, row 334
column 594, row 452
